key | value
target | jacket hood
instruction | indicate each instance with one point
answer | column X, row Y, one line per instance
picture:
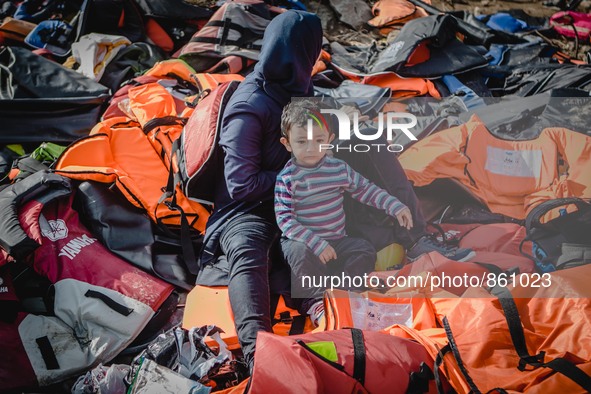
column 291, row 46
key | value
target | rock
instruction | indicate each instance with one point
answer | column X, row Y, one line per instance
column 354, row 13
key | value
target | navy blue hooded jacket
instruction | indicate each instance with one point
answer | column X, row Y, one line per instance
column 253, row 155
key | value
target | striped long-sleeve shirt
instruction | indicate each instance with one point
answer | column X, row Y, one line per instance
column 309, row 201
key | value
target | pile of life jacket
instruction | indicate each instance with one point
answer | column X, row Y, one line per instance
column 153, row 117
column 98, row 303
column 511, row 177
column 526, row 339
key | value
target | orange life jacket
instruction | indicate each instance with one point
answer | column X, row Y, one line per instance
column 138, row 172
column 527, row 340
column 389, row 14
column 551, row 326
column 15, row 30
column 134, row 151
column 118, row 150
column 208, row 305
column 177, row 76
column 401, row 87
column 511, row 177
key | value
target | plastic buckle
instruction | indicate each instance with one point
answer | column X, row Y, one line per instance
column 535, row 361
column 285, row 317
column 419, row 380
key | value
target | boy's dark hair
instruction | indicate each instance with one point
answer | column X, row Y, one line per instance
column 297, row 113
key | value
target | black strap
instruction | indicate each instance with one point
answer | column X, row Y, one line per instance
column 247, row 388
column 560, row 364
column 297, row 325
column 359, row 355
column 285, row 317
column 466, row 172
column 182, row 84
column 111, row 303
column 226, row 23
column 524, row 254
column 47, row 353
column 186, row 243
column 209, row 40
column 516, row 330
column 533, row 218
column 247, row 36
column 199, row 96
column 239, row 43
column 497, row 390
column 169, row 199
column 456, row 352
column 491, row 267
column 171, row 182
column 438, row 362
column 163, row 121
column 571, row 371
column 419, row 380
column 273, row 302
column 246, row 40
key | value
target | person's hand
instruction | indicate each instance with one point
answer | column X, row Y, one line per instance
column 327, row 254
column 404, row 218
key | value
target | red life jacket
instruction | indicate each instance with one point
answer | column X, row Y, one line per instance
column 101, row 302
column 231, row 40
column 342, row 361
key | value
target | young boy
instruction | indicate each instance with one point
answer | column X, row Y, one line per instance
column 309, row 208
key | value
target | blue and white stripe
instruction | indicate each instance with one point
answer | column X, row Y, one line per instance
column 309, row 201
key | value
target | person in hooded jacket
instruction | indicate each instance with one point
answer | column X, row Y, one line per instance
column 242, row 227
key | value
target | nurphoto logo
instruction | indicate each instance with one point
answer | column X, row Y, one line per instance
column 389, row 122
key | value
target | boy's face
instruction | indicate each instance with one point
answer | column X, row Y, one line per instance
column 307, row 152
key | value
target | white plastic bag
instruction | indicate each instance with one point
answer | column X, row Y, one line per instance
column 102, row 380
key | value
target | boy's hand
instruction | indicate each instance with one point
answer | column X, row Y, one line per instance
column 404, row 218
column 327, row 254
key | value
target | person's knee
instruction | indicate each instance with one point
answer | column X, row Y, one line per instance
column 248, row 252
column 360, row 255
column 295, row 252
column 362, row 247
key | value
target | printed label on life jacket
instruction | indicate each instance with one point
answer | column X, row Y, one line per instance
column 524, row 163
column 53, row 229
column 3, row 289
column 74, row 246
column 392, row 50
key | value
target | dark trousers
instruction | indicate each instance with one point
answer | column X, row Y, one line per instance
column 246, row 242
column 355, row 257
column 382, row 168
